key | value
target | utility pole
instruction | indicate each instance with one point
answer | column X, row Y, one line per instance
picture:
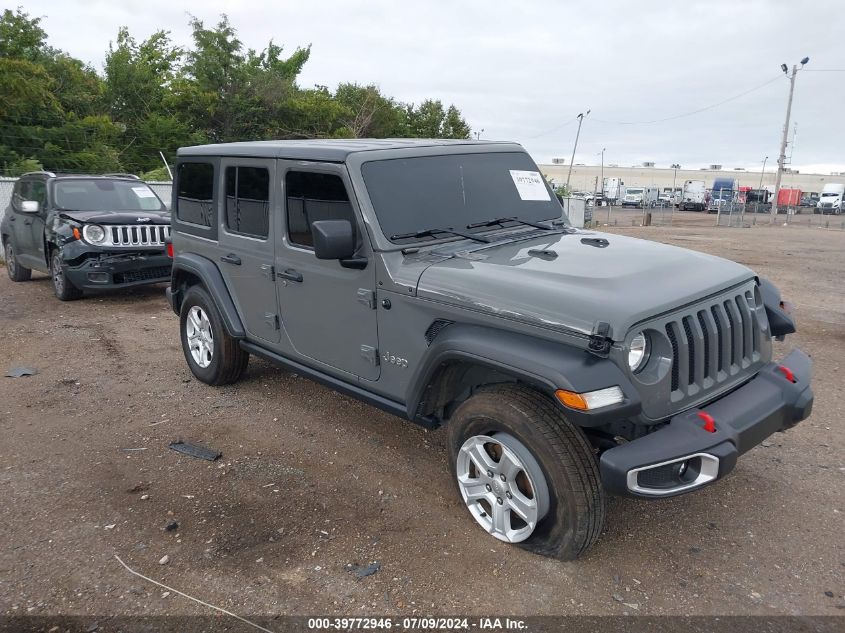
column 676, row 167
column 782, row 156
column 580, row 118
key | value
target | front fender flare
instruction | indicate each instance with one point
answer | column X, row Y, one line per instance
column 209, row 275
column 543, row 364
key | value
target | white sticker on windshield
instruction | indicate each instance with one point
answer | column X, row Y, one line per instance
column 143, row 192
column 530, row 185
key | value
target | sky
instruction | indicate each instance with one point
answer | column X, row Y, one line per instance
column 523, row 71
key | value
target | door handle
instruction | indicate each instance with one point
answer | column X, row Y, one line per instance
column 231, row 259
column 291, row 275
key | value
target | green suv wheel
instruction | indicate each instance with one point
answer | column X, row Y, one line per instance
column 214, row 357
column 15, row 271
column 525, row 473
column 62, row 286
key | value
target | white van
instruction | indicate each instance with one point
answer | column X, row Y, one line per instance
column 831, row 199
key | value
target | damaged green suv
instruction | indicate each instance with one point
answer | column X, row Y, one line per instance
column 86, row 232
column 442, row 282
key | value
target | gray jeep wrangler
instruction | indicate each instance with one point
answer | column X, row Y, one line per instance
column 442, row 282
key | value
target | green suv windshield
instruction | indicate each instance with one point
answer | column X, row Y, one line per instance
column 460, row 192
column 100, row 194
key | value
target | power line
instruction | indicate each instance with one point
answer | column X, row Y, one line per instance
column 686, row 114
column 554, row 129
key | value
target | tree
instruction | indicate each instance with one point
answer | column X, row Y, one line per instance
column 430, row 120
column 21, row 37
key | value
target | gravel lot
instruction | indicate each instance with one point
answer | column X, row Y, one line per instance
column 311, row 481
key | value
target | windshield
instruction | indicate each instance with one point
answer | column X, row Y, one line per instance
column 455, row 190
column 723, row 194
column 830, row 195
column 633, row 191
column 101, row 194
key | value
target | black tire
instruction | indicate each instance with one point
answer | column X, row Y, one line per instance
column 575, row 517
column 62, row 287
column 228, row 360
column 15, row 271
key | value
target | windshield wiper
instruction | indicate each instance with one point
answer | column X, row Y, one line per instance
column 432, row 232
column 537, row 225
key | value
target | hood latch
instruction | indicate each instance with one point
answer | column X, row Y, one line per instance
column 601, row 339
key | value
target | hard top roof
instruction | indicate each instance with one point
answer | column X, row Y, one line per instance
column 330, row 149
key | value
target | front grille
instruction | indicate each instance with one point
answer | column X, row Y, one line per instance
column 827, row 205
column 138, row 235
column 713, row 342
column 145, row 274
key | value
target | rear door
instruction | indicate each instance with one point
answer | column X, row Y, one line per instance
column 247, row 218
column 327, row 310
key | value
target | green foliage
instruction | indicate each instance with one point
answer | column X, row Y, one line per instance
column 22, row 166
column 156, row 97
column 160, row 174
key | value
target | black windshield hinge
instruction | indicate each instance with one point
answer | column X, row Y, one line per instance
column 600, row 339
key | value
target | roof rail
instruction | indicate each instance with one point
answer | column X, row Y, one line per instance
column 40, row 173
column 133, row 176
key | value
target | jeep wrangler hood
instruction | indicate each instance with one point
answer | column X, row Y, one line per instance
column 571, row 281
column 118, row 217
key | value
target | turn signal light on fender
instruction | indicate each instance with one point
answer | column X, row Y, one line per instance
column 591, row 399
column 76, row 234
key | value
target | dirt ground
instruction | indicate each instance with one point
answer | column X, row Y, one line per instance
column 311, row 481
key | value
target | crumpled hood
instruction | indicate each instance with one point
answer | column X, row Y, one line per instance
column 626, row 282
column 119, row 217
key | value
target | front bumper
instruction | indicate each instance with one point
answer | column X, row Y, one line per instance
column 683, row 456
column 123, row 270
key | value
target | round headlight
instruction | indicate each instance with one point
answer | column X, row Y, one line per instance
column 94, row 234
column 638, row 352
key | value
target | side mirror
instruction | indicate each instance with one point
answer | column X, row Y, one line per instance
column 333, row 239
column 29, row 206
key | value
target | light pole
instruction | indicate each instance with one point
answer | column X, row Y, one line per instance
column 763, row 171
column 478, row 134
column 580, row 118
column 676, row 167
column 782, row 157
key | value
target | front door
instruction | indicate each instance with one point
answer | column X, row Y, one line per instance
column 327, row 310
column 246, row 232
column 28, row 228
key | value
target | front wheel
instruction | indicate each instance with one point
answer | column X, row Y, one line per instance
column 62, row 286
column 526, row 474
column 15, row 271
column 214, row 357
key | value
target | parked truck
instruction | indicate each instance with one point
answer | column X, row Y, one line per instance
column 789, row 198
column 832, row 198
column 613, row 189
column 640, row 197
column 693, row 196
column 724, row 193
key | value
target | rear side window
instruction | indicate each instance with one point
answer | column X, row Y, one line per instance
column 195, row 195
column 247, row 200
column 313, row 196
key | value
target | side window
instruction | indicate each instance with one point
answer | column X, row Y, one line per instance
column 20, row 192
column 313, row 196
column 195, row 197
column 247, row 200
column 38, row 192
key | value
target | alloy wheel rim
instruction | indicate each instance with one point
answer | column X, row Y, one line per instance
column 502, row 486
column 200, row 336
column 58, row 277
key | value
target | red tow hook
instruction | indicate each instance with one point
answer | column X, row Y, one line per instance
column 709, row 422
column 788, row 373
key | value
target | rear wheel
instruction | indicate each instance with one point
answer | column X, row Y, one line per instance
column 15, row 271
column 525, row 473
column 62, row 286
column 214, row 357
